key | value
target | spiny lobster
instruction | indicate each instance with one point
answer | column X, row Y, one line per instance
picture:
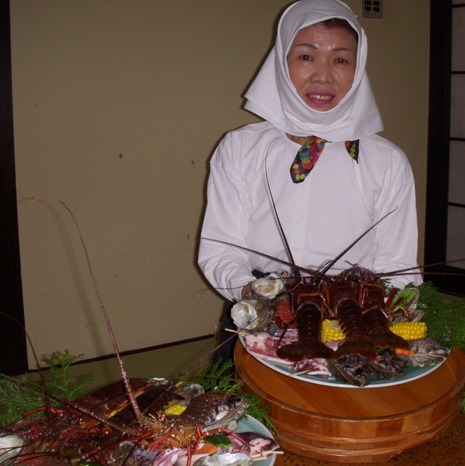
column 123, row 423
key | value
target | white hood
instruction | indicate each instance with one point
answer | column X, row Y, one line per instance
column 273, row 97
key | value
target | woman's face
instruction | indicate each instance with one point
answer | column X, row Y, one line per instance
column 321, row 64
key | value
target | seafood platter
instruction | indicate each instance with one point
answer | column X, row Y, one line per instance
column 347, row 425
column 134, row 422
column 347, row 330
column 345, row 365
column 170, row 424
column 361, row 374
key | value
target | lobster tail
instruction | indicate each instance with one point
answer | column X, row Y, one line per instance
column 363, row 347
column 309, row 319
column 378, row 328
column 292, row 352
column 352, row 323
column 389, row 340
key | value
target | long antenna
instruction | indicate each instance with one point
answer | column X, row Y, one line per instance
column 132, row 401
column 294, row 268
column 351, row 245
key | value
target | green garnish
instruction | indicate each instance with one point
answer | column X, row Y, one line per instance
column 444, row 317
column 219, row 440
column 17, row 398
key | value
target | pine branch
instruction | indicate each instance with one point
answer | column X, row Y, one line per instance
column 20, row 397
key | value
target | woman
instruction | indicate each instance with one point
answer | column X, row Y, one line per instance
column 313, row 83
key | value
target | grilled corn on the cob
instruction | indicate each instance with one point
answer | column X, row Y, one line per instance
column 409, row 330
column 331, row 331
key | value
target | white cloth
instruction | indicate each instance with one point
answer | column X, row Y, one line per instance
column 338, row 200
column 321, row 216
column 272, row 95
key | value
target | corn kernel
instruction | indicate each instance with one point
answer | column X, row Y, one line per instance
column 409, row 330
column 331, row 331
column 175, row 409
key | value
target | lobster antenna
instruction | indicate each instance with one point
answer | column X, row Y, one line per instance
column 423, row 267
column 298, row 268
column 101, row 304
column 333, row 261
column 294, row 268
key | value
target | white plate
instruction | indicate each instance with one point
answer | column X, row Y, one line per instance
column 410, row 373
column 250, row 424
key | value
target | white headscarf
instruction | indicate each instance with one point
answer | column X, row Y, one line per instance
column 273, row 97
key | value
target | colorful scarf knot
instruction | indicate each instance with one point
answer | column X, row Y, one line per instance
column 310, row 152
column 352, row 148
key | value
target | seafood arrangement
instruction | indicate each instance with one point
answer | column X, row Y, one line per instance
column 160, row 422
column 177, row 425
column 356, row 301
column 137, row 422
column 347, row 327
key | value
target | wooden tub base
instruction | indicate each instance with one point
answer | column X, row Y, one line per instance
column 356, row 425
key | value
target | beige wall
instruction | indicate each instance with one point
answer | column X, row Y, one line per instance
column 117, row 107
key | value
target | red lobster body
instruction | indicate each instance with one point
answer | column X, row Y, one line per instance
column 308, row 317
column 373, row 308
column 356, row 298
column 345, row 305
column 69, row 434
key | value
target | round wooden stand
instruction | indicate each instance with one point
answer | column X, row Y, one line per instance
column 355, row 425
